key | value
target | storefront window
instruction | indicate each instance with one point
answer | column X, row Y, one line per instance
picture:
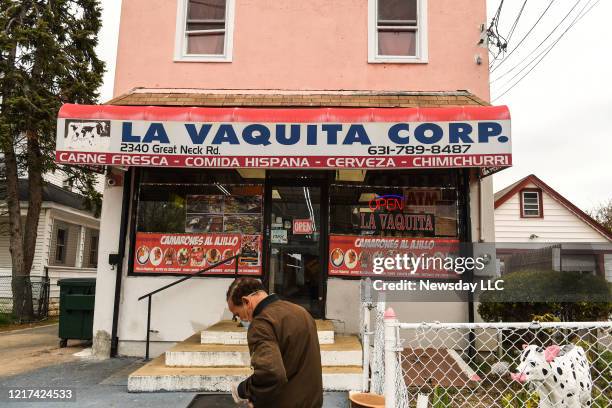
column 187, row 225
column 375, row 215
column 396, row 204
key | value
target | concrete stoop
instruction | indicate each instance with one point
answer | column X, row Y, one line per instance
column 345, row 351
column 218, row 357
column 230, row 332
column 156, row 376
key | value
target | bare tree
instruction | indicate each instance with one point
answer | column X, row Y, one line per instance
column 603, row 214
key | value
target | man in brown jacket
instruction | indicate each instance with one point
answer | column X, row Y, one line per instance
column 284, row 349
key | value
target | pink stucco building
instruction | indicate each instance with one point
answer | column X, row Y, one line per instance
column 306, row 46
column 296, row 134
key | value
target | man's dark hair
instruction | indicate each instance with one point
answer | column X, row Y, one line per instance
column 243, row 287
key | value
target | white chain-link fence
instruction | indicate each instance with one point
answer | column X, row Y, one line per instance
column 503, row 365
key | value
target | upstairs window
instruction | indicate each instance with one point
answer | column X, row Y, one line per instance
column 531, row 203
column 204, row 30
column 397, row 31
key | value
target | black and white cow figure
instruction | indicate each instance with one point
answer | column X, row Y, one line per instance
column 85, row 133
column 560, row 375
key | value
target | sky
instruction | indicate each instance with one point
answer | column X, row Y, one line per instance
column 561, row 111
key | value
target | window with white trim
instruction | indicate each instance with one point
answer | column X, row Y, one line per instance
column 60, row 245
column 531, row 204
column 64, row 245
column 204, row 30
column 397, row 31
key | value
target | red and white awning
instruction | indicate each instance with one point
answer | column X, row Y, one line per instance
column 318, row 138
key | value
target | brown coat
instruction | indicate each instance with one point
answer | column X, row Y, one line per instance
column 285, row 357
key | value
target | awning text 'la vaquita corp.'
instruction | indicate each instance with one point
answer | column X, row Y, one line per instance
column 325, row 138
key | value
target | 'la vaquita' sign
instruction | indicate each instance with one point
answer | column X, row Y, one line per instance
column 284, row 138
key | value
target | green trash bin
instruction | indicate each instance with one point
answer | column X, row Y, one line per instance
column 76, row 309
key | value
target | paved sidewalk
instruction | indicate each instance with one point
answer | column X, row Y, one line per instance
column 28, row 349
column 103, row 383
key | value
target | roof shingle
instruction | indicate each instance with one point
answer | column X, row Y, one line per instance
column 192, row 97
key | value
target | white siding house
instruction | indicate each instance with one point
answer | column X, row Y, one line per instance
column 67, row 240
column 530, row 214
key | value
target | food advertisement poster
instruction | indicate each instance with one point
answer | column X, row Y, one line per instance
column 227, row 214
column 353, row 255
column 190, row 253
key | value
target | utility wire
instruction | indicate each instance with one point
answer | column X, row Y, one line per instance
column 495, row 37
column 516, row 21
column 578, row 18
column 548, row 47
column 538, row 46
column 525, row 36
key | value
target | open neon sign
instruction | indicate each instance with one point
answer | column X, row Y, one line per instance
column 389, row 202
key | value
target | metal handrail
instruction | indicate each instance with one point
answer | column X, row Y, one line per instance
column 150, row 294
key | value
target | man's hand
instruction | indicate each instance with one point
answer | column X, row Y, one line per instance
column 251, row 405
column 237, row 398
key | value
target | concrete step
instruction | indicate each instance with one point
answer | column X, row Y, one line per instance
column 229, row 332
column 345, row 351
column 156, row 376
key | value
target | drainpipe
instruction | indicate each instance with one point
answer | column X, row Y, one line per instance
column 480, row 239
column 468, row 237
column 125, row 207
column 470, row 277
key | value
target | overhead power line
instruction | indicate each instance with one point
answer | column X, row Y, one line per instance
column 538, row 46
column 516, row 20
column 546, row 51
column 524, row 37
column 494, row 37
column 498, row 40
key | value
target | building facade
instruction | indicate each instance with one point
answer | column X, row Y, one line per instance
column 295, row 134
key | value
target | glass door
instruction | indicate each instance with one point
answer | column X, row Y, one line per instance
column 295, row 264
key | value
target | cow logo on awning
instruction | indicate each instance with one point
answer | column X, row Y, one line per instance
column 86, row 133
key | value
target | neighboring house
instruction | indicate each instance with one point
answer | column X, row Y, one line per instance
column 67, row 242
column 530, row 214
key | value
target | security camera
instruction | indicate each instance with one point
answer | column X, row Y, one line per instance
column 111, row 182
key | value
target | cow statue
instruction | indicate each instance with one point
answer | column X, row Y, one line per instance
column 560, row 375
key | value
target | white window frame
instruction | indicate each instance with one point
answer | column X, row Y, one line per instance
column 538, row 203
column 180, row 43
column 421, row 57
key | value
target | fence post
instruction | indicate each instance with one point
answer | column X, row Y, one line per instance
column 148, row 327
column 377, row 382
column 390, row 358
column 366, row 332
